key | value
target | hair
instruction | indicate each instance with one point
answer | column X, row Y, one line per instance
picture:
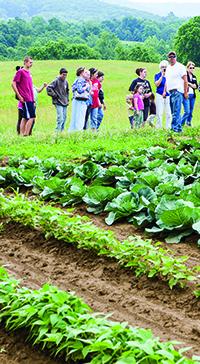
column 18, row 68
column 63, row 70
column 92, row 71
column 190, row 63
column 139, row 70
column 163, row 64
column 27, row 58
column 136, row 88
column 100, row 74
column 152, row 97
column 79, row 71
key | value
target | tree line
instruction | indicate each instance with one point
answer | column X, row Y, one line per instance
column 128, row 38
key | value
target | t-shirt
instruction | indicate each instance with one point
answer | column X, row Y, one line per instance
column 174, row 76
column 140, row 102
column 160, row 89
column 192, row 79
column 146, row 88
column 24, row 84
column 95, row 96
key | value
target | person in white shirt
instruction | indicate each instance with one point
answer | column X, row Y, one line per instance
column 177, row 86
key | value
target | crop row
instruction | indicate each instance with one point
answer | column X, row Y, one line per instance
column 141, row 256
column 158, row 192
column 64, row 325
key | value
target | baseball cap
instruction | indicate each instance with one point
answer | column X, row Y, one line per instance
column 171, row 53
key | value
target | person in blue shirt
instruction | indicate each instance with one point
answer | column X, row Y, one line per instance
column 162, row 97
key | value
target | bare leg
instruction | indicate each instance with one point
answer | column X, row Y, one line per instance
column 22, row 126
column 28, row 126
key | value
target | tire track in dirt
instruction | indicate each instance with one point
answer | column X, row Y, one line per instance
column 172, row 315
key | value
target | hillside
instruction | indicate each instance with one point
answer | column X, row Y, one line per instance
column 68, row 10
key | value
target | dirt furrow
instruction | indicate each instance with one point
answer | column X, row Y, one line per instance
column 172, row 315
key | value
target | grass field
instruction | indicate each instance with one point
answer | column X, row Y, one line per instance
column 118, row 75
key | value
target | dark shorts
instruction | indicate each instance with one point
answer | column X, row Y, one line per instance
column 29, row 110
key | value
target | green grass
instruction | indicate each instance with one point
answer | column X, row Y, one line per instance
column 118, row 75
column 115, row 132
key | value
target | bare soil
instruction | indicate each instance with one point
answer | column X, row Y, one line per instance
column 171, row 314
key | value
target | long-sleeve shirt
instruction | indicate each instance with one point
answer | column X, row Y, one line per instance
column 59, row 91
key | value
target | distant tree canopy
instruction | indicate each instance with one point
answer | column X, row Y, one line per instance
column 187, row 41
column 128, row 38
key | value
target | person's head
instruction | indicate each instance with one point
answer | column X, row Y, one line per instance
column 190, row 67
column 86, row 75
column 100, row 76
column 141, row 72
column 129, row 98
column 163, row 66
column 63, row 73
column 80, row 71
column 138, row 89
column 172, row 57
column 28, row 61
column 93, row 73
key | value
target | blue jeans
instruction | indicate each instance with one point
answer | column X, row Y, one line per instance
column 186, row 107
column 176, row 99
column 100, row 116
column 61, row 117
column 191, row 99
column 93, row 118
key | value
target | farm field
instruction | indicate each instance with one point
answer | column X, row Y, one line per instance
column 56, row 228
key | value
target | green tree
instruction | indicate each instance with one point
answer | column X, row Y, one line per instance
column 106, row 44
column 187, row 41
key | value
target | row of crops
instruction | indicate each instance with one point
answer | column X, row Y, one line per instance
column 64, row 325
column 156, row 190
column 140, row 255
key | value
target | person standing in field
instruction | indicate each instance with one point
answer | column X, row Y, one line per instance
column 193, row 86
column 92, row 110
column 22, row 85
column 177, row 86
column 81, row 93
column 162, row 97
column 59, row 91
column 102, row 107
column 138, row 105
column 141, row 80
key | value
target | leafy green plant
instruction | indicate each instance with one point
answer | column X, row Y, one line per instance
column 64, row 325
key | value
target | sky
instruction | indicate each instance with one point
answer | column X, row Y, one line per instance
column 182, row 8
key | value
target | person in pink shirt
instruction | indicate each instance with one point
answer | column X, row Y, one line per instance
column 22, row 85
column 94, row 105
column 138, row 105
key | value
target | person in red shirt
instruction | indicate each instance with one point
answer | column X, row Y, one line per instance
column 95, row 103
column 23, row 86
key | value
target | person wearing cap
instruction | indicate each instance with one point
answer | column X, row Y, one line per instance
column 177, row 86
column 162, row 97
column 59, row 91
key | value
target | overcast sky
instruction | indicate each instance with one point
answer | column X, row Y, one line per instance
column 182, row 8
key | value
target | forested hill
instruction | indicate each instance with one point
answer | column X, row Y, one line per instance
column 68, row 10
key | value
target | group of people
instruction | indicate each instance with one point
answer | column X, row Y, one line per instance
column 176, row 86
column 88, row 103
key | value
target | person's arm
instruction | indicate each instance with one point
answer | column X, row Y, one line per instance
column 158, row 81
column 185, row 86
column 41, row 88
column 135, row 100
column 14, row 86
column 132, row 86
column 51, row 89
column 147, row 95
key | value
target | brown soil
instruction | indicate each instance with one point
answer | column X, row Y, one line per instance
column 172, row 315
